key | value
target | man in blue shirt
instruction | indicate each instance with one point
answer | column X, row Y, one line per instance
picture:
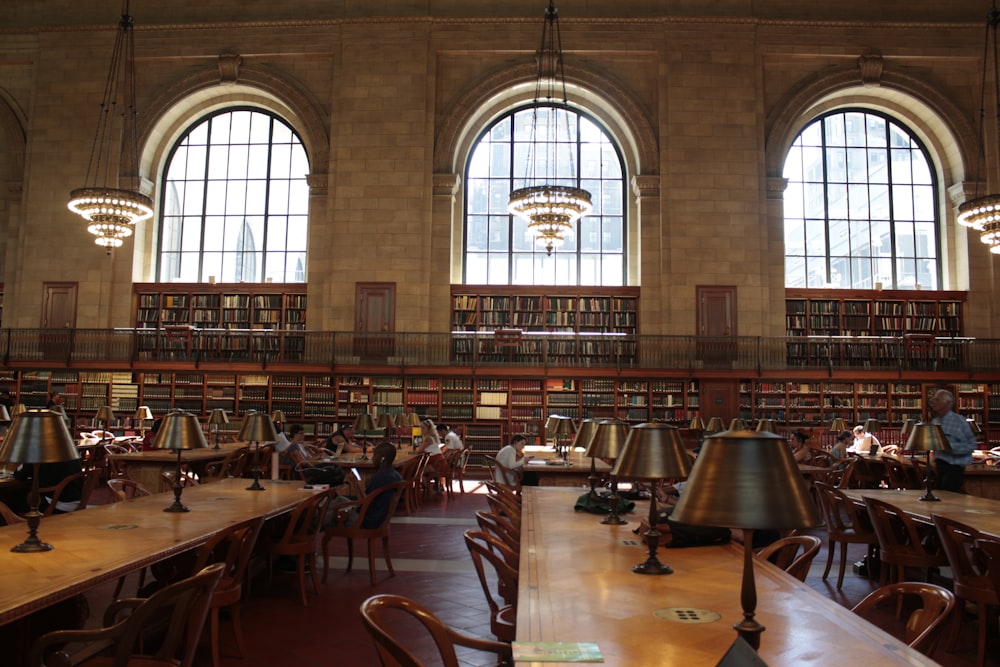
column 950, row 465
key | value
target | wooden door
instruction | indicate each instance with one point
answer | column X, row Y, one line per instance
column 716, row 317
column 59, row 316
column 719, row 399
column 375, row 316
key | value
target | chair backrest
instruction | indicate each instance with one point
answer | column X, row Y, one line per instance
column 167, row 479
column 501, row 528
column 969, row 569
column 306, row 518
column 925, row 623
column 126, row 489
column 487, row 549
column 896, row 474
column 232, row 466
column 233, row 547
column 93, row 478
column 55, row 492
column 381, row 615
column 8, row 516
column 990, row 549
column 785, row 554
column 385, row 497
column 503, row 474
column 502, row 505
column 179, row 610
column 841, row 514
column 898, row 538
column 115, row 468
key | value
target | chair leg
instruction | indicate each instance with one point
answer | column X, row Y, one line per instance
column 981, row 650
column 350, row 554
column 830, row 546
column 312, row 573
column 371, row 560
column 326, row 559
column 302, row 579
column 234, row 614
column 388, row 560
column 843, row 565
column 214, row 634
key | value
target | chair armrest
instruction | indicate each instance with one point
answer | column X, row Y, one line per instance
column 62, row 658
column 489, row 645
column 118, row 606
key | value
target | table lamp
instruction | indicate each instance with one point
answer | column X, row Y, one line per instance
column 4, row 414
column 652, row 451
column 278, row 416
column 180, row 431
column 582, row 439
column 257, row 427
column 103, row 419
column 767, row 426
column 562, row 432
column 387, row 422
column 607, row 442
column 714, row 425
column 364, row 425
column 216, row 419
column 927, row 437
column 748, row 480
column 35, row 437
column 838, row 425
column 142, row 415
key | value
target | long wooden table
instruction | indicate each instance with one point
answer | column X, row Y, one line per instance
column 980, row 513
column 576, row 584
column 147, row 467
column 103, row 542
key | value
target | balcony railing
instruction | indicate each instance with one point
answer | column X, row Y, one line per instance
column 317, row 351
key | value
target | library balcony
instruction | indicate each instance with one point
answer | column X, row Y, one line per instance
column 312, row 351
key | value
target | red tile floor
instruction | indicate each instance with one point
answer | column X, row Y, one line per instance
column 432, row 566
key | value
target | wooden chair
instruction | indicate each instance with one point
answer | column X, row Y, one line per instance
column 55, row 492
column 8, row 516
column 503, row 506
column 413, row 472
column 457, row 459
column 113, row 467
column 232, row 466
column 846, row 523
column 901, row 544
column 300, row 539
column 176, row 613
column 125, row 489
column 378, row 613
column 924, row 624
column 501, row 528
column 785, row 554
column 167, row 480
column 896, row 474
column 358, row 530
column 485, row 548
column 971, row 574
column 232, row 547
column 503, row 474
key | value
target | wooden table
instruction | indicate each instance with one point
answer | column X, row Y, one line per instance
column 980, row 513
column 575, row 475
column 576, row 584
column 104, row 542
column 147, row 467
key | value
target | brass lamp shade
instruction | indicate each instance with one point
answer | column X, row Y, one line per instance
column 560, row 427
column 714, row 425
column 278, row 417
column 386, row 421
column 105, row 415
column 179, row 431
column 608, row 440
column 143, row 413
column 413, row 419
column 652, row 451
column 257, row 427
column 364, row 423
column 908, row 426
column 550, row 422
column 4, row 415
column 838, row 425
column 218, row 417
column 19, row 408
column 872, row 426
column 748, row 480
column 737, row 424
column 697, row 424
column 585, row 433
column 37, row 436
column 767, row 426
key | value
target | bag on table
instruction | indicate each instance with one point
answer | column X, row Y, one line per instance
column 601, row 505
column 328, row 473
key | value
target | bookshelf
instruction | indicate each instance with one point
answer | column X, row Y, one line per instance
column 890, row 318
column 605, row 319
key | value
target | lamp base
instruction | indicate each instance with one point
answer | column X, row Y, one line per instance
column 177, row 507
column 750, row 631
column 652, row 566
column 930, row 497
column 256, row 482
column 32, row 545
column 612, row 519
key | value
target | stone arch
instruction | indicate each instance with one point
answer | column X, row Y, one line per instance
column 939, row 123
column 231, row 84
column 13, row 122
column 598, row 95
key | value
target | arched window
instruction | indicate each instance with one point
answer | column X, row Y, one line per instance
column 861, row 206
column 499, row 249
column 235, row 202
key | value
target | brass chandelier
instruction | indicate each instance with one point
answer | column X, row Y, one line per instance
column 550, row 208
column 983, row 213
column 110, row 208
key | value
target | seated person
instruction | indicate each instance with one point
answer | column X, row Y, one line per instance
column 449, row 439
column 512, row 457
column 383, row 457
column 295, row 453
column 150, row 436
column 839, row 449
column 863, row 442
column 344, row 436
column 800, row 452
column 49, row 475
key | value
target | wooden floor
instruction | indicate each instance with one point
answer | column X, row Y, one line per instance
column 432, row 566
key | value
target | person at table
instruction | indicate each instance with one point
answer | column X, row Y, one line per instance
column 150, row 436
column 50, row 475
column 282, row 443
column 430, row 443
column 950, row 465
column 344, row 436
column 513, row 458
column 863, row 442
column 449, row 439
column 383, row 457
column 800, row 452
column 295, row 453
column 839, row 449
